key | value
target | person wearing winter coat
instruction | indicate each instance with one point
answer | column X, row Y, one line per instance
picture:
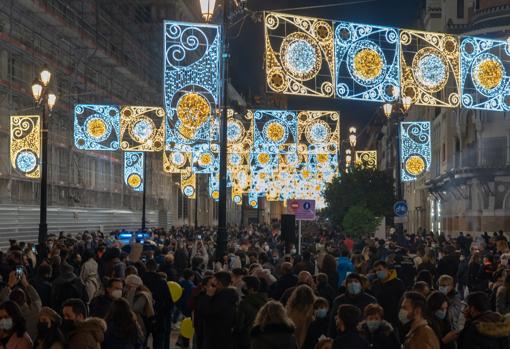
column 440, row 321
column 412, row 314
column 49, row 334
column 89, row 274
column 272, row 328
column 503, row 297
column 388, row 290
column 13, row 334
column 319, row 326
column 123, row 331
column 81, row 332
column 344, row 266
column 347, row 320
column 66, row 286
column 250, row 304
column 446, row 285
column 378, row 332
column 300, row 310
column 140, row 301
column 483, row 328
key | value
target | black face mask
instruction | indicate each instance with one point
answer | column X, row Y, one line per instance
column 43, row 329
column 67, row 326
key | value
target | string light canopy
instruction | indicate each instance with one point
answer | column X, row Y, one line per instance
column 207, row 9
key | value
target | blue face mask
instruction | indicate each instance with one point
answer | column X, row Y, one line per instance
column 402, row 316
column 382, row 274
column 321, row 313
column 440, row 314
column 373, row 325
column 354, row 288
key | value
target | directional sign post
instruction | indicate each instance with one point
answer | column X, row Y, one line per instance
column 304, row 210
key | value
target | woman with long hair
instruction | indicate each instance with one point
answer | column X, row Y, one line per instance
column 123, row 331
column 440, row 321
column 300, row 310
column 49, row 335
column 13, row 330
column 272, row 328
column 328, row 267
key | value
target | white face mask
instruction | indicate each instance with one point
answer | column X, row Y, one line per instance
column 116, row 294
column 6, row 324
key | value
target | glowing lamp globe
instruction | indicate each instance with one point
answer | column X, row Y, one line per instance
column 406, row 103
column 207, row 9
column 388, row 108
column 52, row 98
column 45, row 76
column 352, row 139
column 37, row 88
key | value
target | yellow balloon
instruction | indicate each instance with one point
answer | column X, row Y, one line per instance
column 187, row 330
column 175, row 290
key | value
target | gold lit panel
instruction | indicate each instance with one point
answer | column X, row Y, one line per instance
column 142, row 128
column 366, row 159
column 25, row 145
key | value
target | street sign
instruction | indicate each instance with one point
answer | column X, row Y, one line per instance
column 400, row 208
column 304, row 210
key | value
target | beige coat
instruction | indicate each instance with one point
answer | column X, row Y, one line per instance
column 421, row 336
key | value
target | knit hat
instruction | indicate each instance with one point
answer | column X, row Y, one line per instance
column 51, row 314
column 133, row 280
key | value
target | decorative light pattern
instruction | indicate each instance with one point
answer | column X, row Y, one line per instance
column 206, row 158
column 318, row 132
column 191, row 82
column 485, row 79
column 133, row 170
column 189, row 184
column 176, row 161
column 142, row 128
column 430, row 71
column 96, row 127
column 415, row 149
column 275, row 131
column 367, row 62
column 299, row 55
column 25, row 144
column 366, row 159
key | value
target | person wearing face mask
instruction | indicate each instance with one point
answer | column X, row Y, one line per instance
column 388, row 290
column 378, row 332
column 412, row 312
column 440, row 320
column 13, row 334
column 484, row 328
column 250, row 304
column 354, row 295
column 48, row 328
column 81, row 332
column 100, row 305
column 347, row 320
column 319, row 326
column 446, row 285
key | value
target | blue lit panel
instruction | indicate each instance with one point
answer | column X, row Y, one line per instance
column 133, row 170
column 96, row 127
column 318, row 132
column 253, row 199
column 367, row 62
column 176, row 161
column 214, row 187
column 206, row 158
column 415, row 149
column 275, row 131
column 191, row 81
column 485, row 76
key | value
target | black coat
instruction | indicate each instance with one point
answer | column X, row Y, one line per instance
column 100, row 305
column 160, row 293
column 350, row 340
column 246, row 313
column 325, row 290
column 448, row 265
column 486, row 331
column 273, row 336
column 284, row 283
column 388, row 295
column 382, row 338
column 219, row 317
column 360, row 301
column 318, row 328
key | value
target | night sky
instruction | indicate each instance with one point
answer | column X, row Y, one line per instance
column 247, row 71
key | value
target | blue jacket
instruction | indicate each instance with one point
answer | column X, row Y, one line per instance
column 344, row 265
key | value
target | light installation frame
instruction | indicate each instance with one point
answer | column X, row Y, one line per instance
column 415, row 149
column 25, row 145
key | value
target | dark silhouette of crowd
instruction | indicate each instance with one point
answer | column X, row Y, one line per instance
column 170, row 289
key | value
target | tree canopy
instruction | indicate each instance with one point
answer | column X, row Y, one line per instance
column 359, row 220
column 371, row 189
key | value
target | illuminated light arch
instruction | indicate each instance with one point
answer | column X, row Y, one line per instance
column 415, row 147
column 25, row 145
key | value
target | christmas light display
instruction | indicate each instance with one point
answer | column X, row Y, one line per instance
column 189, row 184
column 415, row 149
column 142, row 128
column 367, row 62
column 96, row 127
column 430, row 68
column 485, row 80
column 25, row 145
column 299, row 55
column 133, row 170
column 366, row 159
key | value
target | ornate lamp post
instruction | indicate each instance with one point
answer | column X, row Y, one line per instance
column 45, row 100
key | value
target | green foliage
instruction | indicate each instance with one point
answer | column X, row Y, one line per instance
column 359, row 220
column 371, row 189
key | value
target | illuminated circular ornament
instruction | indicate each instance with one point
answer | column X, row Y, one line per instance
column 235, row 159
column 430, row 69
column 134, row 180
column 415, row 165
column 488, row 73
column 205, row 159
column 322, row 158
column 237, row 199
column 253, row 203
column 301, row 56
column 215, row 195
column 97, row 129
column 26, row 161
column 263, row 158
column 318, row 132
column 142, row 130
column 275, row 132
column 291, row 159
column 193, row 110
column 178, row 159
column 189, row 190
column 235, row 131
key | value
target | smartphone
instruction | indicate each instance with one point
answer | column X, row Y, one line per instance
column 34, row 249
column 199, row 237
column 19, row 271
column 144, row 259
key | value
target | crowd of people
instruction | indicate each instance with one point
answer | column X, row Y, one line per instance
column 411, row 291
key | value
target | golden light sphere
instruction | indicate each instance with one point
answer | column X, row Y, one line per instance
column 322, row 158
column 263, row 158
column 415, row 165
column 275, row 132
column 489, row 73
column 368, row 64
column 205, row 159
column 134, row 180
column 96, row 128
column 215, row 195
column 193, row 110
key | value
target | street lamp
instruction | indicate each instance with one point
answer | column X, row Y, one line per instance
column 207, row 9
column 352, row 136
column 45, row 100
